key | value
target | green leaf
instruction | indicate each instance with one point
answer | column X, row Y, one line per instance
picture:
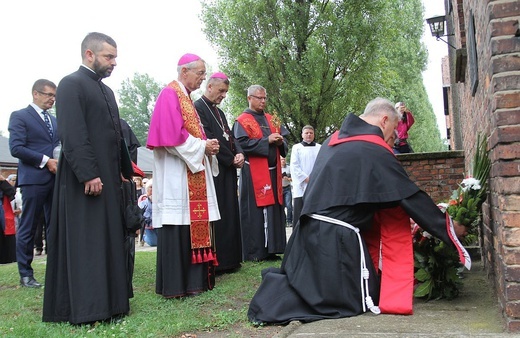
column 422, row 275
column 423, row 289
column 451, row 274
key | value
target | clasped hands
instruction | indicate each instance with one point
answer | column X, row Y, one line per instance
column 276, row 138
column 212, row 147
column 238, row 161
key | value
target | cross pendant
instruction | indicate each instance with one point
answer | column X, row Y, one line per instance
column 226, row 136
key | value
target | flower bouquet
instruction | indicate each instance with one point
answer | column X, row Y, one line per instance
column 437, row 264
column 465, row 203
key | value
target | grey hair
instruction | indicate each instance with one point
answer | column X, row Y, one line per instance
column 94, row 41
column 378, row 106
column 149, row 183
column 255, row 88
column 189, row 65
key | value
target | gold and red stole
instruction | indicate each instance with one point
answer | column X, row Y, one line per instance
column 389, row 241
column 200, row 228
column 259, row 166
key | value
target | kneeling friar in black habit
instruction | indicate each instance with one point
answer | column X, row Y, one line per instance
column 327, row 270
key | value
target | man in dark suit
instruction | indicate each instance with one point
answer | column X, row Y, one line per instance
column 33, row 137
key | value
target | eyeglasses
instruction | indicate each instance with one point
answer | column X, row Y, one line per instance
column 49, row 95
column 261, row 98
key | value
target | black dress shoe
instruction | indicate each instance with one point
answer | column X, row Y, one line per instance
column 29, row 282
column 39, row 252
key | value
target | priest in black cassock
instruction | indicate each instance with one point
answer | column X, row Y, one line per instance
column 86, row 278
column 230, row 157
column 262, row 215
column 327, row 271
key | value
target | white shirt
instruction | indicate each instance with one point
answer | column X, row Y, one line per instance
column 45, row 158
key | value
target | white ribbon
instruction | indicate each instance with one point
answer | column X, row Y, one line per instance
column 365, row 275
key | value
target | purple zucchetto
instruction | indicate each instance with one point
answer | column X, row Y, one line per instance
column 219, row 75
column 187, row 58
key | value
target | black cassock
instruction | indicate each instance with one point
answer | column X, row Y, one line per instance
column 320, row 274
column 227, row 230
column 86, row 278
column 252, row 217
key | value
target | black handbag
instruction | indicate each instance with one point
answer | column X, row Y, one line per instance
column 133, row 215
column 126, row 162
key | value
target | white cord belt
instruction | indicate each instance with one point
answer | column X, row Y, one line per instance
column 364, row 271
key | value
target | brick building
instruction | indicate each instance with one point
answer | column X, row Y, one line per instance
column 482, row 94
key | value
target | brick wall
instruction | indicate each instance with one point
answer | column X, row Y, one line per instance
column 494, row 111
column 438, row 174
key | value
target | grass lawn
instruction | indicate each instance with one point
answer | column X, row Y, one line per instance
column 212, row 313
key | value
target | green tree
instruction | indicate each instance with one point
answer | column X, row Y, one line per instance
column 318, row 60
column 402, row 62
column 137, row 98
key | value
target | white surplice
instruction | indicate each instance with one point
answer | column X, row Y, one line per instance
column 302, row 162
column 171, row 199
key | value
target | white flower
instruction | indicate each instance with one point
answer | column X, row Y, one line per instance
column 442, row 206
column 470, row 183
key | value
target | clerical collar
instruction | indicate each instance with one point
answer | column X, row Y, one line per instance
column 82, row 65
column 251, row 111
column 90, row 73
column 208, row 101
column 305, row 144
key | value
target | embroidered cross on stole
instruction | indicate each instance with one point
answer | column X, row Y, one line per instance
column 200, row 229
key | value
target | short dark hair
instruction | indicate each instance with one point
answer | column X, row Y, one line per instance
column 94, row 41
column 217, row 79
column 40, row 85
column 307, row 126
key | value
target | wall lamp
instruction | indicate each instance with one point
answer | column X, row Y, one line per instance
column 437, row 28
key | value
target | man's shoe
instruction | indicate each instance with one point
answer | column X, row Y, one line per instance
column 39, row 252
column 29, row 282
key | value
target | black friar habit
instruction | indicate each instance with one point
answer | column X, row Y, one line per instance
column 252, row 217
column 86, row 278
column 320, row 274
column 227, row 230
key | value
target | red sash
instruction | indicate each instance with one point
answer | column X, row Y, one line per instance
column 389, row 241
column 258, row 165
column 10, row 228
column 200, row 229
column 365, row 138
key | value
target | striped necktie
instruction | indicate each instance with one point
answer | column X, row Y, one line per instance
column 47, row 122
